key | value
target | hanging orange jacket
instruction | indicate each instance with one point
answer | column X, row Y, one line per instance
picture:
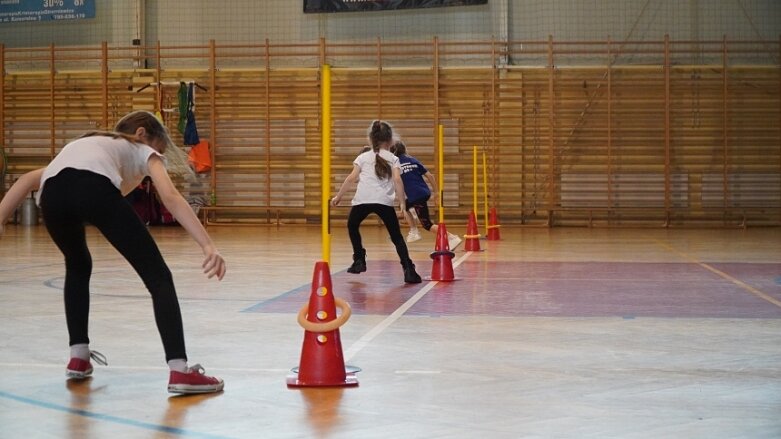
column 200, row 157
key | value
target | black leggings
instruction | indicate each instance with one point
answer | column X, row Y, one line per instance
column 68, row 201
column 387, row 214
column 421, row 210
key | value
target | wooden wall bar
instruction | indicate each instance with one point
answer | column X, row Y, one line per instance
column 594, row 133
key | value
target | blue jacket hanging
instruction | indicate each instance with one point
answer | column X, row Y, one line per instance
column 190, row 130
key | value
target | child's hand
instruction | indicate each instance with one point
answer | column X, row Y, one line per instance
column 213, row 265
column 335, row 200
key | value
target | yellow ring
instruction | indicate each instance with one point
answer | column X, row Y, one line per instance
column 328, row 326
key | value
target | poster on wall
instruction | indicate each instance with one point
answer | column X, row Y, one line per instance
column 317, row 6
column 16, row 11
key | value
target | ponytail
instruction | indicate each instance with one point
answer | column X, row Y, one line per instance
column 379, row 133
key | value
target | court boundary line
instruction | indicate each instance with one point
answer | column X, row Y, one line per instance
column 754, row 291
column 108, row 418
column 395, row 315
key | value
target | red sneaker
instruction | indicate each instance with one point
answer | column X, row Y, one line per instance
column 80, row 369
column 194, row 381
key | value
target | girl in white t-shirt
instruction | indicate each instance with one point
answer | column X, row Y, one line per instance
column 86, row 183
column 379, row 184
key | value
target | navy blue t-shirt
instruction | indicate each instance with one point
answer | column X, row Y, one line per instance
column 412, row 172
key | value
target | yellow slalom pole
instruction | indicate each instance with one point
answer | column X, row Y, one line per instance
column 325, row 135
column 474, row 179
column 485, row 195
column 441, row 171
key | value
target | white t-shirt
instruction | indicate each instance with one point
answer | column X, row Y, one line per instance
column 124, row 163
column 372, row 190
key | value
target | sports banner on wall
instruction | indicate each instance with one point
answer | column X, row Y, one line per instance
column 16, row 11
column 316, row 6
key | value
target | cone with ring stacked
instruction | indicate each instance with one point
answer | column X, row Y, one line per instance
column 322, row 361
column 442, row 267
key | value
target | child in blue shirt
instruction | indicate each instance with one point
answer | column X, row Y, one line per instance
column 416, row 189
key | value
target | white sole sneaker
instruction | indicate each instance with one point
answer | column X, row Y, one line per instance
column 77, row 375
column 453, row 242
column 195, row 388
column 412, row 237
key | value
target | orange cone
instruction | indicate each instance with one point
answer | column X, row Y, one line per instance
column 472, row 243
column 442, row 268
column 322, row 362
column 493, row 225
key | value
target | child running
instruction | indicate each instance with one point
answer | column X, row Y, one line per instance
column 414, row 176
column 86, row 184
column 379, row 183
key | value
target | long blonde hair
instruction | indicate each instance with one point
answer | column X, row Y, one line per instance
column 177, row 161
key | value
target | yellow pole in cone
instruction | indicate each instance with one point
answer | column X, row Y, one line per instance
column 485, row 194
column 441, row 172
column 325, row 135
column 474, row 179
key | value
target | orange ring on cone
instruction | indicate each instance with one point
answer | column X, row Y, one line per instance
column 328, row 326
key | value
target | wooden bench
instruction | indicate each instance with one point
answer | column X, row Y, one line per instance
column 272, row 214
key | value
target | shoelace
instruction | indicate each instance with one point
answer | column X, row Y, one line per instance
column 98, row 357
column 197, row 368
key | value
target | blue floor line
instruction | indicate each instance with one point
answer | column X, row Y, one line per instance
column 108, row 418
column 263, row 303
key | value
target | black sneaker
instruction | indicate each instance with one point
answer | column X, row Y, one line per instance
column 411, row 276
column 358, row 266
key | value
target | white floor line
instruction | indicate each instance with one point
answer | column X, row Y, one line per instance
column 377, row 330
column 762, row 295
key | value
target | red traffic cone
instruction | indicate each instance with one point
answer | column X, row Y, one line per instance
column 472, row 243
column 442, row 268
column 493, row 225
column 322, row 362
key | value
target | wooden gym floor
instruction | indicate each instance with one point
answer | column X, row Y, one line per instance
column 565, row 332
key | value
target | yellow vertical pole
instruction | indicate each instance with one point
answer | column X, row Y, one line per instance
column 104, row 84
column 441, row 171
column 474, row 179
column 485, row 195
column 325, row 127
column 52, row 106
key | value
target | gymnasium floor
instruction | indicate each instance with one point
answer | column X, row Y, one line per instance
column 548, row 333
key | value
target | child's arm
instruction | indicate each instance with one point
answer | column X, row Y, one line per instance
column 433, row 183
column 348, row 181
column 213, row 264
column 399, row 189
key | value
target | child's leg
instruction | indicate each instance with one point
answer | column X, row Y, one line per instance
column 409, row 217
column 358, row 213
column 68, row 234
column 388, row 217
column 118, row 222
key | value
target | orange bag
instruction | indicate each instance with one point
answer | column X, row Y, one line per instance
column 200, row 157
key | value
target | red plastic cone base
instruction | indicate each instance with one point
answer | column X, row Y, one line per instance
column 350, row 380
column 472, row 243
column 322, row 362
column 442, row 268
column 493, row 225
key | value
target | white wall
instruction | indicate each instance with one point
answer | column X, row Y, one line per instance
column 284, row 21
